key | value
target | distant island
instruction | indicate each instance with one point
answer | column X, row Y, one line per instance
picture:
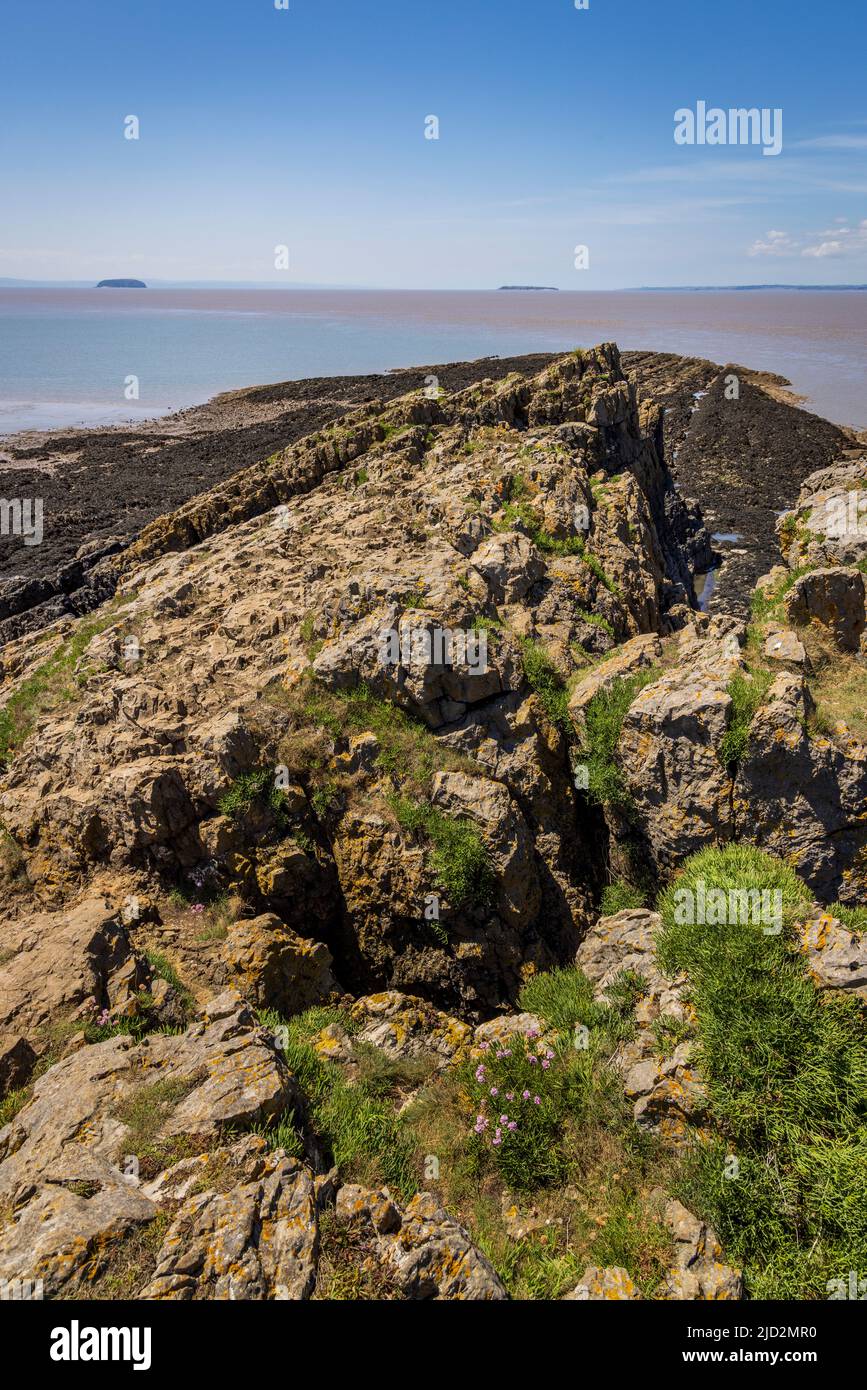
column 549, row 289
column 122, row 285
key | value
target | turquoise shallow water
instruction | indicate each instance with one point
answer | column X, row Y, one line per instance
column 65, row 355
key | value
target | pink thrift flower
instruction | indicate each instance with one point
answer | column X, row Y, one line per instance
column 537, row 1100
column 494, row 1091
column 525, row 1095
column 546, row 1064
column 513, row 1124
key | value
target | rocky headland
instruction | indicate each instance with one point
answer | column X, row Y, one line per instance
column 409, row 890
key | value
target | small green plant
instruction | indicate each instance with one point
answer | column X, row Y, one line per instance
column 323, row 799
column 460, row 861
column 855, row 918
column 250, row 788
column 603, row 723
column 163, row 968
column 747, row 694
column 595, row 619
column 618, row 896
column 146, row 1110
column 546, row 682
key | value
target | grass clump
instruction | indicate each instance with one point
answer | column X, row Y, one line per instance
column 53, row 683
column 146, row 1110
column 546, row 682
column 747, row 694
column 620, row 895
column 359, row 1128
column 459, row 859
column 785, row 1068
column 163, row 968
column 855, row 918
column 603, row 722
column 595, row 620
column 518, row 513
column 250, row 789
column 408, row 751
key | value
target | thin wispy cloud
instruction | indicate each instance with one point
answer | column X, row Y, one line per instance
column 841, row 240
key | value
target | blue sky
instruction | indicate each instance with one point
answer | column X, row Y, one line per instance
column 305, row 127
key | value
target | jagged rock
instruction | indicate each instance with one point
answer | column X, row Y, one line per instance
column 668, row 751
column 274, row 968
column 836, row 956
column 355, row 1203
column 624, row 941
column 800, row 796
column 17, row 1058
column 833, row 598
column 430, row 1256
column 598, row 1284
column 498, row 1032
column 666, row 1093
column 698, row 1271
column 255, row 1236
column 510, row 565
column 506, row 833
column 786, row 648
column 100, row 1112
column 826, row 527
column 638, row 654
column 403, row 1026
column 58, row 967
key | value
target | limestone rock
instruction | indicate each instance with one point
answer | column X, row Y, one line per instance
column 836, row 956
column 274, row 968
column 668, row 750
column 106, row 1108
column 255, row 1238
column 59, row 967
column 638, row 654
column 833, row 598
column 598, row 1284
column 698, row 1271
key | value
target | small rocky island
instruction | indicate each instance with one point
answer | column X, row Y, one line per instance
column 549, row 289
column 122, row 285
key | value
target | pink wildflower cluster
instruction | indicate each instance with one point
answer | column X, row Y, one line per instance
column 496, row 1129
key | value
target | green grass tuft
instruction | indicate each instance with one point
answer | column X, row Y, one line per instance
column 785, row 1068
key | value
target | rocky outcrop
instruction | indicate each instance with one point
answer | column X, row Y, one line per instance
column 662, row 1084
column 71, row 1160
column 429, row 1255
column 501, row 516
column 833, row 598
column 58, row 972
column 274, row 968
